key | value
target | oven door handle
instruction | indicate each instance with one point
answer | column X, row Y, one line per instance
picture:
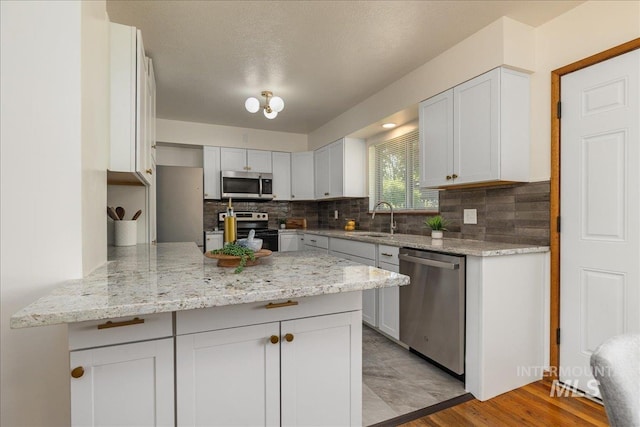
column 429, row 262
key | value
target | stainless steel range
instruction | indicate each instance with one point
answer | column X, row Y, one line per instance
column 258, row 221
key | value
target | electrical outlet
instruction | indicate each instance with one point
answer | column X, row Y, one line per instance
column 470, row 216
column 335, row 214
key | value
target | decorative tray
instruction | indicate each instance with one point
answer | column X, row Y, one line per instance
column 234, row 261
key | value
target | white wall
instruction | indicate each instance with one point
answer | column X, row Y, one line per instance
column 178, row 132
column 179, row 156
column 46, row 203
column 488, row 48
column 95, row 132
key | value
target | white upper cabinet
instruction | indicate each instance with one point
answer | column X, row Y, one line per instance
column 322, row 168
column 239, row 159
column 281, row 175
column 477, row 132
column 302, row 177
column 332, row 177
column 211, row 166
column 132, row 106
column 436, row 139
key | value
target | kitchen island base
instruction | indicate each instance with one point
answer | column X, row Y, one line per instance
column 291, row 362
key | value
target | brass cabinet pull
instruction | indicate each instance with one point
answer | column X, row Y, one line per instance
column 288, row 337
column 385, row 254
column 150, row 171
column 110, row 324
column 448, row 177
column 274, row 339
column 454, row 176
column 77, row 372
column 281, row 304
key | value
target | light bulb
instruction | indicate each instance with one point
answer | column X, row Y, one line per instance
column 271, row 115
column 252, row 105
column 276, row 103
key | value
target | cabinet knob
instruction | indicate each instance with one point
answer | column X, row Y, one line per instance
column 274, row 339
column 454, row 176
column 449, row 177
column 206, row 195
column 288, row 337
column 150, row 171
column 153, row 146
column 326, row 194
column 293, row 196
column 77, row 372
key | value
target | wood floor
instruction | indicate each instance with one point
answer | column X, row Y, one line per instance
column 527, row 406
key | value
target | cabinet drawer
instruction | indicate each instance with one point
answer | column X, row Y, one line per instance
column 388, row 254
column 230, row 316
column 351, row 247
column 98, row 333
column 316, row 241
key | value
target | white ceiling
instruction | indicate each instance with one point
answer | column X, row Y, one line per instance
column 321, row 57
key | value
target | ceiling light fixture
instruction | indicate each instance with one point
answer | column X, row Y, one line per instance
column 272, row 106
column 389, row 125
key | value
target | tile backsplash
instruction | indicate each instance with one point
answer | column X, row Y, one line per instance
column 514, row 213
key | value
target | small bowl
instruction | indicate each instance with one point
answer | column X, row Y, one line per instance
column 255, row 244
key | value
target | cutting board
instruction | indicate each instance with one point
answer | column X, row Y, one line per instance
column 296, row 223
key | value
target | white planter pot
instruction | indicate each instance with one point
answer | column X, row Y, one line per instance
column 283, row 226
column 436, row 234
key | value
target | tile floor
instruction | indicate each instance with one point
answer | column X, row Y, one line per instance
column 396, row 382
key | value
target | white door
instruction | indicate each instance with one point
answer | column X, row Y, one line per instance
column 322, row 371
column 123, row 385
column 229, row 377
column 600, row 217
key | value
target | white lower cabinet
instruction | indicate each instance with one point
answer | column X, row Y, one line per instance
column 288, row 242
column 304, row 371
column 389, row 298
column 363, row 253
column 213, row 241
column 123, row 385
column 229, row 377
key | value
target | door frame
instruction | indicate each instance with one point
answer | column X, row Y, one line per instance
column 554, row 234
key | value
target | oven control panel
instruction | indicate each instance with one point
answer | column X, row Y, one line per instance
column 246, row 216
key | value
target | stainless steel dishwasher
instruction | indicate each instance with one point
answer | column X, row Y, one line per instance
column 432, row 306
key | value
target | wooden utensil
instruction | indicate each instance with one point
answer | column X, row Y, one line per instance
column 136, row 215
column 112, row 213
column 120, row 211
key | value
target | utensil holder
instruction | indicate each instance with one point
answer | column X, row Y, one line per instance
column 126, row 233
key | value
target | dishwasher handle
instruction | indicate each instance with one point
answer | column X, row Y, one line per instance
column 429, row 262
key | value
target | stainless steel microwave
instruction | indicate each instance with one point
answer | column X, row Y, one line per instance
column 246, row 185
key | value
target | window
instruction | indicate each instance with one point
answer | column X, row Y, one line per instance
column 394, row 175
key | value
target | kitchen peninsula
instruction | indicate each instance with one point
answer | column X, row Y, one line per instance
column 278, row 343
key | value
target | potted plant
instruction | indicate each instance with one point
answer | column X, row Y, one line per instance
column 437, row 224
column 283, row 223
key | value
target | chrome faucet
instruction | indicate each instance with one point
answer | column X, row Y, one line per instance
column 392, row 226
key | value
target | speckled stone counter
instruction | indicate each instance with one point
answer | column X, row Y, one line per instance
column 176, row 276
column 452, row 246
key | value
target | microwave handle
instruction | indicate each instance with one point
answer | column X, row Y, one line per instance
column 260, row 182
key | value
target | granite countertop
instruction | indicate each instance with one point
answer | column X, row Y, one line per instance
column 146, row 279
column 451, row 246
